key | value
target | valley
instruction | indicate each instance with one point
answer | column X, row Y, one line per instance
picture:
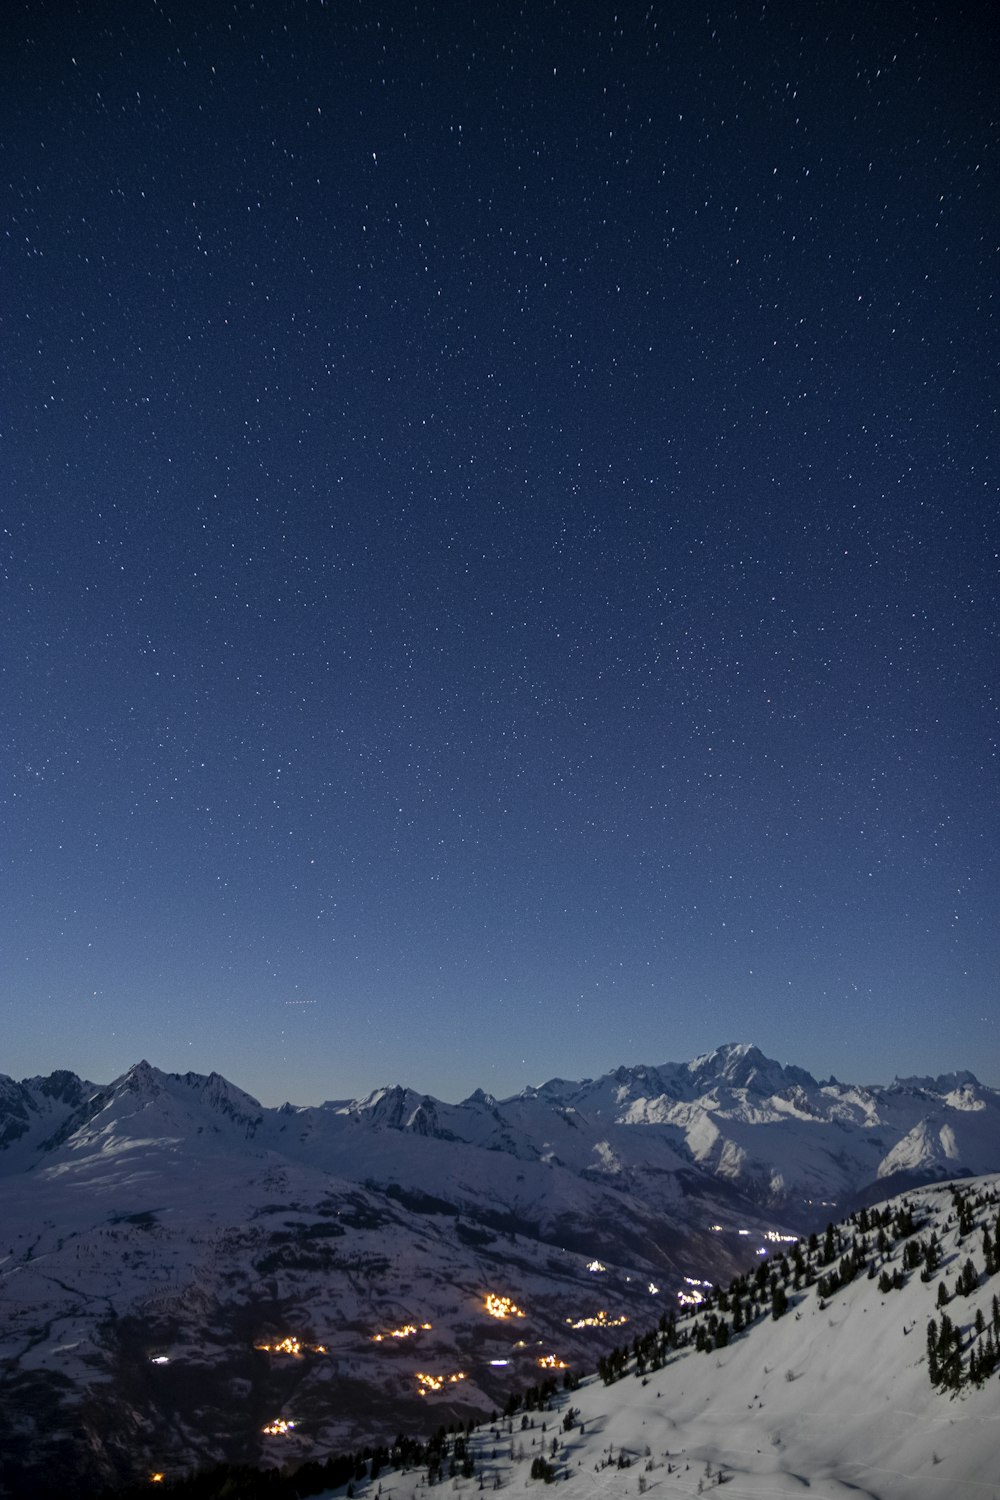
column 187, row 1277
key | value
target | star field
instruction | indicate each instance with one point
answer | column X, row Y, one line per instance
column 499, row 541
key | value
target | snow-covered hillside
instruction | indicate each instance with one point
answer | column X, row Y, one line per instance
column 862, row 1361
column 172, row 1218
column 832, row 1396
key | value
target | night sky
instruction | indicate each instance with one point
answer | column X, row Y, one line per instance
column 499, row 539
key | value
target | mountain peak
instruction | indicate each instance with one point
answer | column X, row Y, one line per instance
column 481, row 1097
column 389, row 1106
column 141, row 1079
column 63, row 1086
column 744, row 1065
column 944, row 1083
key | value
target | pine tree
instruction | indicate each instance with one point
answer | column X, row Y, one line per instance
column 932, row 1354
column 903, row 1223
column 950, row 1354
column 968, row 1280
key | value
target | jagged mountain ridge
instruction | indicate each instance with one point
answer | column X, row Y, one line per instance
column 771, row 1131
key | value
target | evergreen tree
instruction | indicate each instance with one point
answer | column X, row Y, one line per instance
column 968, row 1280
column 950, row 1354
column 903, row 1222
column 828, row 1246
column 932, row 1353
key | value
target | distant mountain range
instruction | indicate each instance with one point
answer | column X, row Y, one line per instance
column 173, row 1216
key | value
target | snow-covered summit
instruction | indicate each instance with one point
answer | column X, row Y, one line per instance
column 741, row 1065
column 944, row 1082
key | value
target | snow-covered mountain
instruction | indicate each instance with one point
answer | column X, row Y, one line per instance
column 734, row 1115
column 173, row 1217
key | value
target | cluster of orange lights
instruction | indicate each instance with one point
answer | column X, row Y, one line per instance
column 501, row 1307
column 278, row 1428
column 599, row 1320
column 437, row 1382
column 550, row 1362
column 407, row 1331
column 291, row 1346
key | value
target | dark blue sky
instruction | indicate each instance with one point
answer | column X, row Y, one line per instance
column 499, row 539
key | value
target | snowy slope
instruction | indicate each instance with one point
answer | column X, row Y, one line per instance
column 832, row 1398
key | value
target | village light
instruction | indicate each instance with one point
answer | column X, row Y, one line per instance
column 405, row 1332
column 600, row 1320
column 501, row 1307
column 290, row 1345
column 436, row 1382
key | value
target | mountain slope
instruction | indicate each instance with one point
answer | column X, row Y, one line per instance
column 174, row 1216
column 820, row 1369
column 832, row 1396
